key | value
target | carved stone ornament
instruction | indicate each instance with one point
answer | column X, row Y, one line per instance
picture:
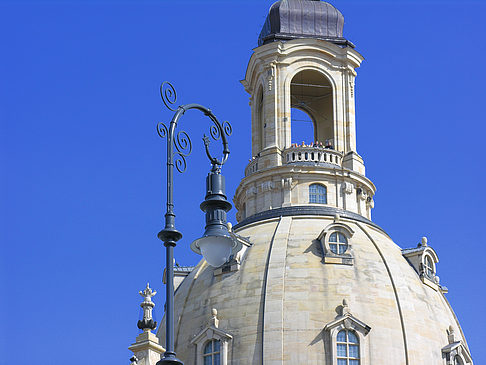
column 270, row 75
column 348, row 188
column 251, row 191
column 287, row 182
column 361, row 194
column 147, row 323
column 370, row 202
column 267, row 186
column 213, row 320
column 351, row 88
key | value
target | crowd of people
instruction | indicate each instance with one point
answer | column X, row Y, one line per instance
column 316, row 144
column 326, row 144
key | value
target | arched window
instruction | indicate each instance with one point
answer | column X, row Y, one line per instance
column 338, row 243
column 212, row 353
column 347, row 350
column 428, row 266
column 317, row 194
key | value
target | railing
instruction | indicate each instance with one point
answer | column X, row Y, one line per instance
column 317, row 155
column 252, row 167
column 300, row 154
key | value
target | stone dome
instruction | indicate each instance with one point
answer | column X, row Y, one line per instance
column 290, row 19
column 282, row 302
column 316, row 280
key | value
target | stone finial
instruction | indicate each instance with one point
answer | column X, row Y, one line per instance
column 133, row 360
column 230, row 226
column 423, row 241
column 147, row 323
column 451, row 335
column 346, row 309
column 147, row 294
column 213, row 320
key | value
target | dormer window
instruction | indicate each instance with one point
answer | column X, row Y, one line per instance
column 424, row 259
column 335, row 243
column 317, row 194
column 212, row 343
column 338, row 243
column 348, row 339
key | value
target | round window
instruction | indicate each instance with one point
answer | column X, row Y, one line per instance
column 338, row 243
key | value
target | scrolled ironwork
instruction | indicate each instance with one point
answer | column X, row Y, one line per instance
column 183, row 144
column 215, row 132
column 180, row 163
column 168, row 95
column 228, row 129
column 162, row 130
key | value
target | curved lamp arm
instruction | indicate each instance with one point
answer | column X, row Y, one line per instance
column 215, row 204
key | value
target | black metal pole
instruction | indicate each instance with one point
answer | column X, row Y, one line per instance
column 170, row 235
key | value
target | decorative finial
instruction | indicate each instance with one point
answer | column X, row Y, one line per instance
column 230, row 226
column 450, row 334
column 213, row 320
column 147, row 323
column 346, row 309
column 424, row 241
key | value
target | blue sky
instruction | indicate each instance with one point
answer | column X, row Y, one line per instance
column 82, row 182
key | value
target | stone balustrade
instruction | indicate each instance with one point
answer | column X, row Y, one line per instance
column 317, row 155
column 252, row 167
column 301, row 154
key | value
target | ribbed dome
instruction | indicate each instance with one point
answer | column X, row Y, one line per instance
column 281, row 301
column 290, row 19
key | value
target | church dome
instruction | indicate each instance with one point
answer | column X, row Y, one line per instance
column 290, row 19
column 284, row 300
column 316, row 280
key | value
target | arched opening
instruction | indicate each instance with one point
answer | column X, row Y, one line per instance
column 311, row 109
column 260, row 114
column 302, row 127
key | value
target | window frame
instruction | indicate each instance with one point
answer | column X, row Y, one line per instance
column 317, row 194
column 348, row 344
column 329, row 257
column 363, row 339
column 338, row 243
column 213, row 353
column 426, row 259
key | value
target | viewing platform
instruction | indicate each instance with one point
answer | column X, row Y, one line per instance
column 303, row 155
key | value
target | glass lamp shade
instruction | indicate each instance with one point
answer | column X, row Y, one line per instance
column 216, row 250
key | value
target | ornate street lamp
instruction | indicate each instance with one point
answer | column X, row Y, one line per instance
column 217, row 243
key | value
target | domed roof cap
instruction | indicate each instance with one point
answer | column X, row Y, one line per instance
column 291, row 19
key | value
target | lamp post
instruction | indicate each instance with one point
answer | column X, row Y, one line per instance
column 217, row 243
